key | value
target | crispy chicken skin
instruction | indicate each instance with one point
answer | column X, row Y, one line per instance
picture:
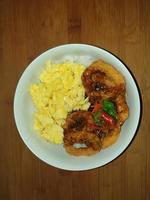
column 101, row 81
column 76, row 132
column 76, row 121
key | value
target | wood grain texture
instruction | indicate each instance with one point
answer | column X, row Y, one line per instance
column 30, row 27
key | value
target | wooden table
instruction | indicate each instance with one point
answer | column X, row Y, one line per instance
column 27, row 28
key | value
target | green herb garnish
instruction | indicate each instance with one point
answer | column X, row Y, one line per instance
column 109, row 107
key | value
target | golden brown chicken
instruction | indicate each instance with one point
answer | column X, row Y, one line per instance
column 75, row 132
column 87, row 132
column 101, row 81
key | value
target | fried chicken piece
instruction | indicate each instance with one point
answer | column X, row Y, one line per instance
column 75, row 132
column 102, row 81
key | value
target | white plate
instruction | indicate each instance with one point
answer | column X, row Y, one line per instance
column 56, row 155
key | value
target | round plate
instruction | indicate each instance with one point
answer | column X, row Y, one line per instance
column 56, row 155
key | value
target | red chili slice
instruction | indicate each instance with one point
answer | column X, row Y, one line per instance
column 108, row 118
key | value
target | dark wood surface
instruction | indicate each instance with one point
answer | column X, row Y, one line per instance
column 29, row 27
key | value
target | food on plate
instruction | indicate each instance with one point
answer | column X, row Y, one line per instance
column 122, row 108
column 58, row 92
column 83, row 108
column 111, row 137
column 101, row 81
column 100, row 126
column 96, row 129
column 76, row 131
column 92, row 143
